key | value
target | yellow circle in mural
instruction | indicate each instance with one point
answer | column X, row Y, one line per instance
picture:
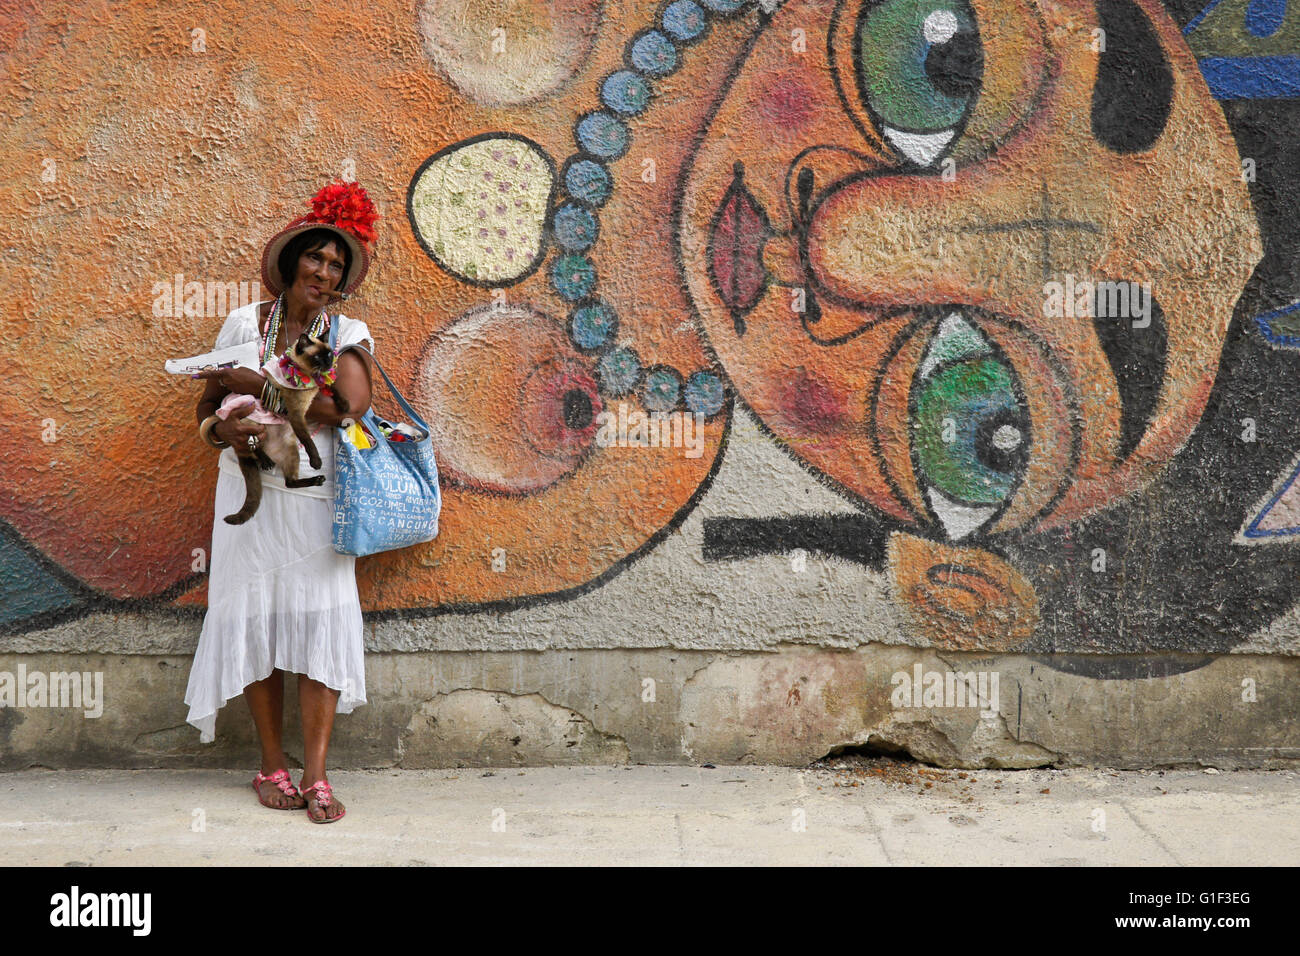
column 479, row 208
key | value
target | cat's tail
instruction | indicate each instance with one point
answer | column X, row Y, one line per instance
column 252, row 490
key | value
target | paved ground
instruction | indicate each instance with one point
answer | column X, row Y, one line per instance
column 857, row 811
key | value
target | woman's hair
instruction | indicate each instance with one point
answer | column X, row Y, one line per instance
column 311, row 240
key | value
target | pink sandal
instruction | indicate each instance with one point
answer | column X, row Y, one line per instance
column 281, row 780
column 324, row 797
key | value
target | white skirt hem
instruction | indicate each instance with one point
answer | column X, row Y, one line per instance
column 279, row 598
column 204, row 716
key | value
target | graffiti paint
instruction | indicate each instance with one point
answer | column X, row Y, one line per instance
column 845, row 219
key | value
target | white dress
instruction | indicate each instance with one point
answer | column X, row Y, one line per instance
column 279, row 595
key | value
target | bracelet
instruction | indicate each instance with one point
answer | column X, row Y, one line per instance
column 205, row 432
column 271, row 398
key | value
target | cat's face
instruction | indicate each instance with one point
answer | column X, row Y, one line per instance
column 311, row 355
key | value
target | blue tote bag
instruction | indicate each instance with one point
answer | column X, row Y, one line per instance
column 385, row 496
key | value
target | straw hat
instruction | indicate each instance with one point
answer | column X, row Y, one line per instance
column 342, row 208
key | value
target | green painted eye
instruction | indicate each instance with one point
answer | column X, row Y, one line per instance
column 970, row 428
column 919, row 68
column 970, row 434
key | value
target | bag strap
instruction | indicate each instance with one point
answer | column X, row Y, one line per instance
column 415, row 417
column 334, row 336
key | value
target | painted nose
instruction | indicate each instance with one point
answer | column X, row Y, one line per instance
column 984, row 239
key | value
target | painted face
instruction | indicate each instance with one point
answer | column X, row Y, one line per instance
column 970, row 275
column 883, row 217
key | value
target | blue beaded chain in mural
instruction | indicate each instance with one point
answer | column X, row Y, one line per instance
column 603, row 136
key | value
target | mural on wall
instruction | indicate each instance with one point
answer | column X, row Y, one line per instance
column 1014, row 278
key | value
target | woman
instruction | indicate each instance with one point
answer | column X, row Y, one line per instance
column 280, row 598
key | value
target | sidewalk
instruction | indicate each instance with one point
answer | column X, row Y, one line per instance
column 869, row 811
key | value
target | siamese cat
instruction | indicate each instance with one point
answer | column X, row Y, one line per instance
column 300, row 373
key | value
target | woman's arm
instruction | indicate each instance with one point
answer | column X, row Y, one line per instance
column 220, row 382
column 352, row 381
column 213, row 393
column 247, row 381
column 234, row 430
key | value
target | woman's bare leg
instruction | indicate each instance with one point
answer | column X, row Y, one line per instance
column 266, row 701
column 317, row 703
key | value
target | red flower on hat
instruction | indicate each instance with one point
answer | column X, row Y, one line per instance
column 346, row 206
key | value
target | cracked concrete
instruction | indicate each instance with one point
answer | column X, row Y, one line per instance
column 789, row 706
column 988, row 745
column 482, row 728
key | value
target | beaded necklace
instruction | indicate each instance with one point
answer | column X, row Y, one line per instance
column 273, row 322
column 604, row 136
column 291, row 372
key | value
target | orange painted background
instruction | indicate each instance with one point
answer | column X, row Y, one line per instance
column 776, row 239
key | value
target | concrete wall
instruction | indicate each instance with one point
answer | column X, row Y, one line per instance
column 772, row 351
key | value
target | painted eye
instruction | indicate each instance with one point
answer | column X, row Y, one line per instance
column 970, row 428
column 919, row 66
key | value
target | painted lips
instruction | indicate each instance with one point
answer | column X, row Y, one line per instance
column 740, row 230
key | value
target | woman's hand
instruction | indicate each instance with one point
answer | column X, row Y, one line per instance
column 242, row 381
column 236, row 431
